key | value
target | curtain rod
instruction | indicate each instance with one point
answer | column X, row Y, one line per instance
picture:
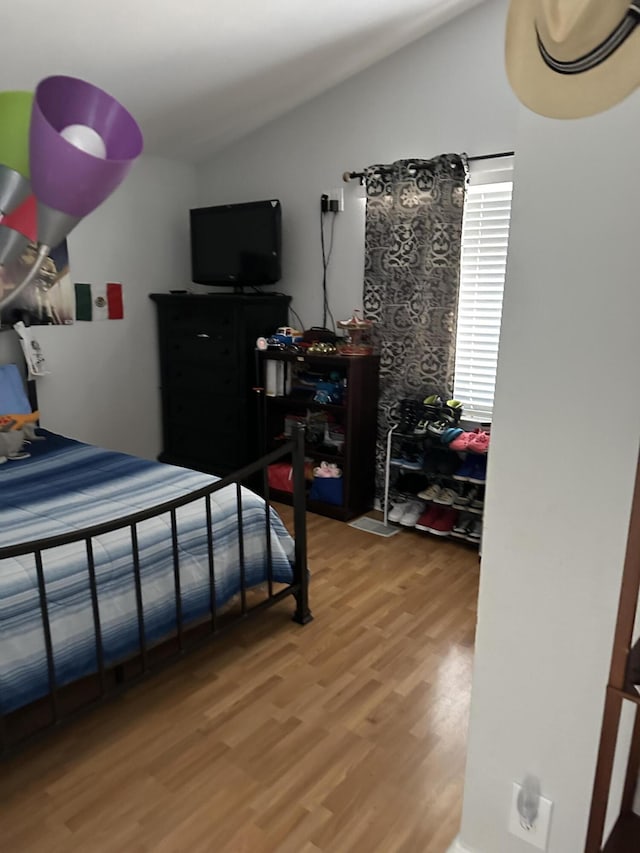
column 350, row 176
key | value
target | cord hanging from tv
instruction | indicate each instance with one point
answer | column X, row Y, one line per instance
column 238, row 245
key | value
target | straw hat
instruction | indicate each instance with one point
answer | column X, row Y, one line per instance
column 573, row 58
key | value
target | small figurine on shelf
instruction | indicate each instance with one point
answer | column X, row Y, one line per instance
column 359, row 330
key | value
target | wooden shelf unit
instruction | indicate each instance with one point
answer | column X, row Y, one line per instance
column 357, row 414
column 625, row 837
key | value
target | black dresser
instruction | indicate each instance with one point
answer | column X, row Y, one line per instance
column 207, row 373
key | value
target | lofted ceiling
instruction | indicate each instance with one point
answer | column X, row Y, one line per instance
column 198, row 74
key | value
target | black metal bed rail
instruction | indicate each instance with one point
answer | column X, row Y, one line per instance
column 299, row 588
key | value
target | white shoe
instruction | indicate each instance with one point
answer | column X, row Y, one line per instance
column 397, row 511
column 412, row 513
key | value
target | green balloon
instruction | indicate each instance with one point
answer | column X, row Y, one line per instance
column 15, row 117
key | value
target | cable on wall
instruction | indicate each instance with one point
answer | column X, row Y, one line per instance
column 326, row 259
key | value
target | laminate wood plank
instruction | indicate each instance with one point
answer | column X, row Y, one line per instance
column 346, row 736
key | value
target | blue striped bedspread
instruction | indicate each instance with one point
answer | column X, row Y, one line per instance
column 67, row 486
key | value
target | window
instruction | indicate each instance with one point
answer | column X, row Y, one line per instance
column 485, row 236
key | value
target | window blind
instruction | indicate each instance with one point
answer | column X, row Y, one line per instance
column 485, row 237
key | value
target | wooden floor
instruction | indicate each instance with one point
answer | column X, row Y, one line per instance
column 345, row 735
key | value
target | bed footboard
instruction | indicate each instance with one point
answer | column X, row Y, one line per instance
column 61, row 703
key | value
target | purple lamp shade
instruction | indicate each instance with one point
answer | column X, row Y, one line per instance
column 65, row 178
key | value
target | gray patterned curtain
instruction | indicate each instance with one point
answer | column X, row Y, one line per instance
column 411, row 279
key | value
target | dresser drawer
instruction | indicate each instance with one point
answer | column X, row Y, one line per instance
column 201, row 348
column 188, row 320
column 226, row 415
column 224, row 441
column 223, row 379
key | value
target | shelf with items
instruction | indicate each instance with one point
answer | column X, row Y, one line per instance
column 424, row 458
column 336, row 398
column 298, row 402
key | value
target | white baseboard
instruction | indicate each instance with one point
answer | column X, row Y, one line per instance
column 458, row 847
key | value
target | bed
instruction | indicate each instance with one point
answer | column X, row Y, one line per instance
column 111, row 566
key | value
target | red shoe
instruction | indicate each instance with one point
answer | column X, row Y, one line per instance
column 443, row 524
column 429, row 517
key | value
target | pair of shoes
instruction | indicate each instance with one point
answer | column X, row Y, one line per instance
column 473, row 469
column 409, row 457
column 437, row 494
column 406, row 513
column 477, row 442
column 469, row 498
column 438, row 460
column 432, row 408
column 327, row 469
column 468, row 527
column 438, row 520
column 409, row 483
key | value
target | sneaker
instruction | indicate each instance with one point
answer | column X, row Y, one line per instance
column 446, row 497
column 479, row 442
column 461, row 528
column 410, row 483
column 478, row 473
column 440, row 426
column 461, row 441
column 454, row 409
column 411, row 460
column 428, row 518
column 477, row 502
column 443, row 523
column 431, row 493
column 412, row 513
column 474, row 531
column 466, row 468
column 397, row 511
column 463, row 498
column 446, row 463
column 410, row 412
column 450, row 434
column 421, row 428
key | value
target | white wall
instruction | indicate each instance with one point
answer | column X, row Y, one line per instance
column 444, row 93
column 104, row 381
column 561, row 470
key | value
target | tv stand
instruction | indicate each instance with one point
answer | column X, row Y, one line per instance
column 206, row 343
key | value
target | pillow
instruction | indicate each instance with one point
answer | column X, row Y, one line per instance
column 13, row 397
column 14, row 402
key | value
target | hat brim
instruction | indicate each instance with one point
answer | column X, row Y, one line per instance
column 565, row 95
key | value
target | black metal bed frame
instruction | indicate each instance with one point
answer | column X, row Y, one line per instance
column 111, row 681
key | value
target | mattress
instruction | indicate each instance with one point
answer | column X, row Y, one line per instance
column 66, row 486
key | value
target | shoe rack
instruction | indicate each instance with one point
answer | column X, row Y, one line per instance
column 415, row 465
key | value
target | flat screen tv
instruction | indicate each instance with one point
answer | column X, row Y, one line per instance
column 237, row 244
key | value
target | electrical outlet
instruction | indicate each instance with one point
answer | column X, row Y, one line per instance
column 538, row 834
column 337, row 195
